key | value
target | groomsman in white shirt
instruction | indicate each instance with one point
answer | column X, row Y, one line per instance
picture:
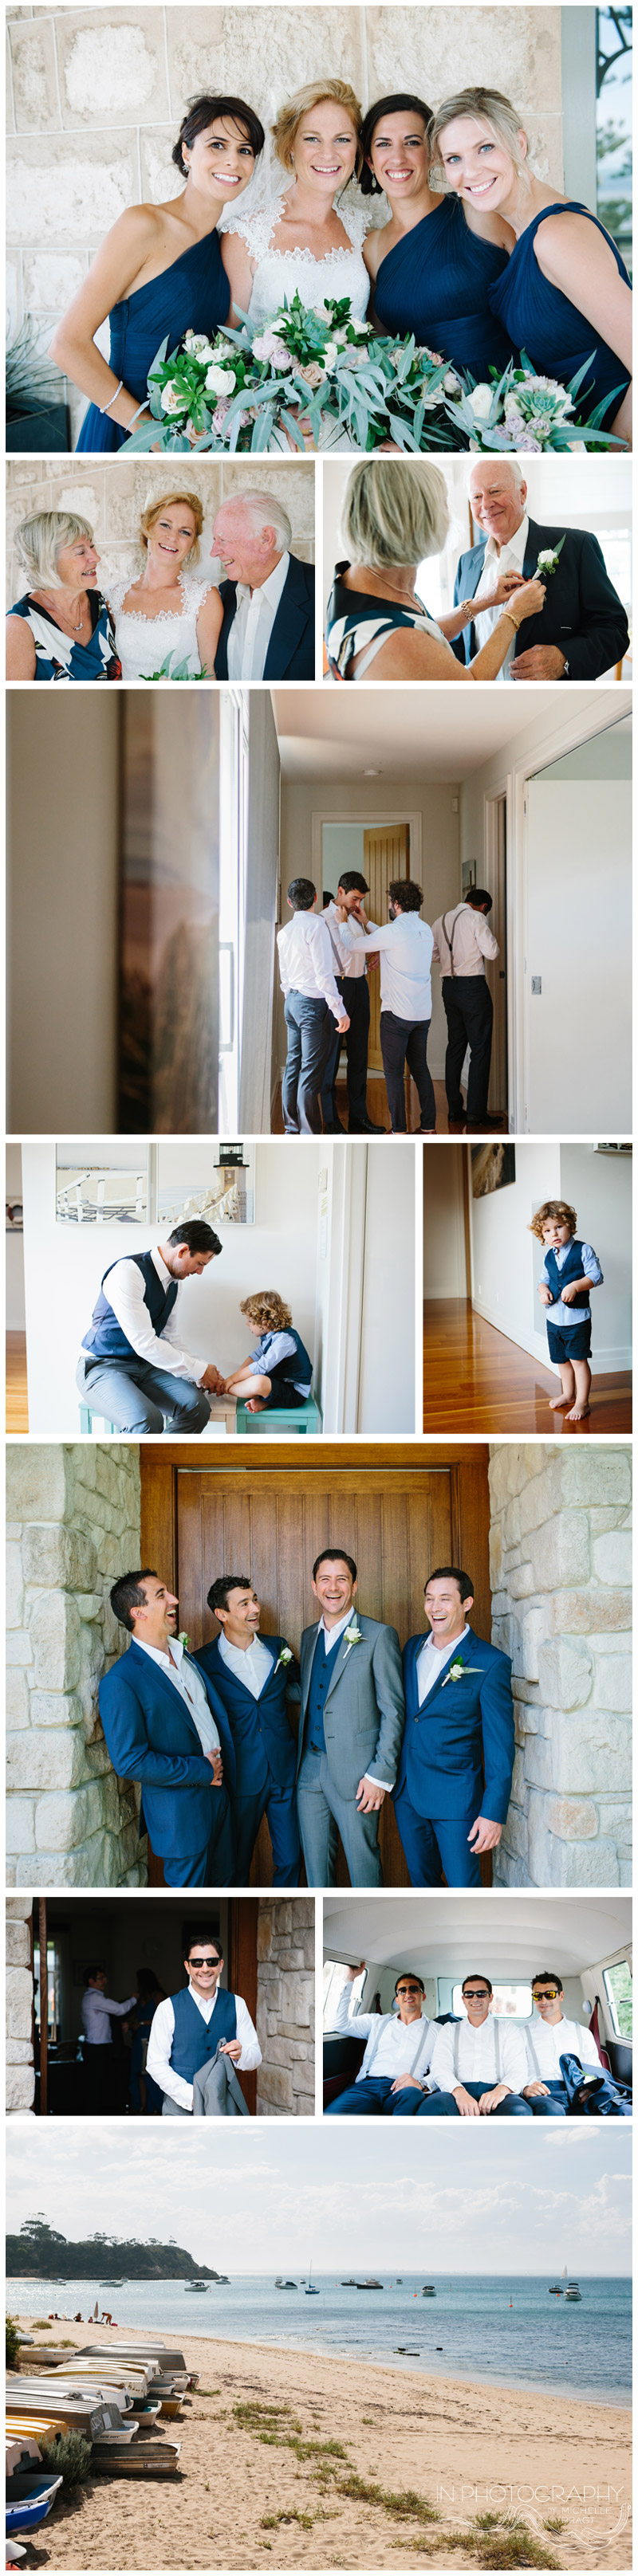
column 404, row 948
column 479, row 2065
column 397, row 2055
column 548, row 2037
column 98, row 2009
column 189, row 2026
column 133, row 1365
column 312, row 1005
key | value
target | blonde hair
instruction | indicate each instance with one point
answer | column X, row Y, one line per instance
column 39, row 541
column 173, row 500
column 493, row 110
column 266, row 1310
column 395, row 511
column 556, row 1208
column 286, row 126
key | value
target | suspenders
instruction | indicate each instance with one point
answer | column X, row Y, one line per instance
column 383, row 2017
column 497, row 2049
column 449, row 941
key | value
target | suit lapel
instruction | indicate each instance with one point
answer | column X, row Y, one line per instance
column 166, row 1689
column 530, row 558
column 337, row 1660
column 464, row 1648
column 286, row 630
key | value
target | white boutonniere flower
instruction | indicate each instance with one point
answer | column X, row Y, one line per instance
column 182, row 1639
column 457, row 1670
column 548, row 560
column 352, row 1638
column 286, row 1657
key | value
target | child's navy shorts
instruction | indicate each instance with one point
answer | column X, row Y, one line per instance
column 573, row 1345
column 283, row 1395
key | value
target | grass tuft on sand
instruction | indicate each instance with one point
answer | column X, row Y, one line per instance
column 488, row 2541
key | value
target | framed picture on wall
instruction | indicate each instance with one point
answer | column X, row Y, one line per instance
column 493, row 1168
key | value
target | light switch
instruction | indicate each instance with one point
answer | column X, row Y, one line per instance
column 537, row 983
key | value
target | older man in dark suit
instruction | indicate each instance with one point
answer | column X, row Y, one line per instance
column 268, row 630
column 582, row 629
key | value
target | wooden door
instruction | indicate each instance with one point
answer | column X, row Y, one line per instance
column 386, row 854
column 270, row 1518
column 241, row 1972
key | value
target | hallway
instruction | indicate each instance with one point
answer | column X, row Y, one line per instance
column 475, row 1380
column 377, row 1107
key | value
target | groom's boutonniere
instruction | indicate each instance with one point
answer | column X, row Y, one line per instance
column 182, row 1639
column 457, row 1669
column 352, row 1638
column 286, row 1657
column 548, row 560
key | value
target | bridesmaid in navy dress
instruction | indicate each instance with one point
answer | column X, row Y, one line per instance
column 565, row 295
column 433, row 265
column 159, row 273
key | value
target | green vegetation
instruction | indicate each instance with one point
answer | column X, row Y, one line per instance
column 488, row 2540
column 69, row 2458
column 42, row 2324
column 12, row 2338
column 40, row 2252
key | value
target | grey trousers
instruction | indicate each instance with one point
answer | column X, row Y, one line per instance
column 217, row 2094
column 320, row 1809
column 137, row 1397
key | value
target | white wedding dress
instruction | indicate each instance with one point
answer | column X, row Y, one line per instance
column 280, row 273
column 145, row 644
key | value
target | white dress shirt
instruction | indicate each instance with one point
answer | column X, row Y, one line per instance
column 553, row 2040
column 125, row 1292
column 252, row 625
column 160, row 2043
column 350, row 965
column 405, row 958
column 96, row 2015
column 251, row 1664
column 306, row 961
column 187, row 1680
column 470, row 938
column 477, row 2056
column 496, row 560
column 331, row 1635
column 430, row 1661
column 399, row 2043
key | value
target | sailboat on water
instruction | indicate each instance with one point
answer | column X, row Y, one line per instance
column 311, row 2291
column 556, row 2287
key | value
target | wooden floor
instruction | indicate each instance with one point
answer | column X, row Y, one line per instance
column 377, row 1106
column 17, row 1397
column 475, row 1380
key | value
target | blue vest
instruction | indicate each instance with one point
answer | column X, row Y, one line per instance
column 195, row 2040
column 557, row 1277
column 105, row 1337
column 298, row 1365
column 320, row 1673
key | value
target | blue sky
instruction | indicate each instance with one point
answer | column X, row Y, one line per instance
column 259, row 2198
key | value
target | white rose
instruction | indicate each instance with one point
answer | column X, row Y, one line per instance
column 197, row 345
column 220, row 380
column 480, row 401
column 330, row 355
column 174, row 398
column 546, row 557
column 451, row 383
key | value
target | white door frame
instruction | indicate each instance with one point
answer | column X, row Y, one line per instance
column 495, row 796
column 369, row 823
column 344, row 1304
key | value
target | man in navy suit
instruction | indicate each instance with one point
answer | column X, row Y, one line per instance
column 164, row 1726
column 582, row 629
column 253, row 1676
column 268, row 629
column 455, row 1771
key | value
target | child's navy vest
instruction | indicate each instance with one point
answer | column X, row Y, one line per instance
column 105, row 1337
column 297, row 1365
column 572, row 1268
column 195, row 2040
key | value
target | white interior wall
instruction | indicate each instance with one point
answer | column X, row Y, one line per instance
column 444, row 1254
column 507, row 1260
column 63, row 866
column 359, row 798
column 388, row 1317
column 342, row 849
column 14, row 1291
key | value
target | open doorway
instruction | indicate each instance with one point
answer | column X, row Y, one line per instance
column 382, row 852
column 496, row 968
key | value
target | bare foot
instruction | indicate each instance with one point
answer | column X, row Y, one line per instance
column 556, row 1402
column 255, row 1404
column 578, row 1412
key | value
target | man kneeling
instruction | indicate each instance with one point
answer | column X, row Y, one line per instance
column 480, row 2065
column 199, row 2037
column 399, row 2048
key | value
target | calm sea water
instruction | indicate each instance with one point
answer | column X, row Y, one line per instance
column 538, row 2342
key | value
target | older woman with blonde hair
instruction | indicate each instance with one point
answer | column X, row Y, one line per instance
column 307, row 237
column 395, row 515
column 61, row 627
column 169, row 619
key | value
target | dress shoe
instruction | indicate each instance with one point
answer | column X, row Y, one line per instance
column 368, row 1127
column 335, row 1129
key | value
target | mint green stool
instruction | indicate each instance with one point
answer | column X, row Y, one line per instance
column 290, row 1417
column 87, row 1420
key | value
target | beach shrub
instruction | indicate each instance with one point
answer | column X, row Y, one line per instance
column 12, row 2336
column 43, row 2324
column 69, row 2458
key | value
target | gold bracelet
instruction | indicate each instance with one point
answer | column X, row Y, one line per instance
column 514, row 621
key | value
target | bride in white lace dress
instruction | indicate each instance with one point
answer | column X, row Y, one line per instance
column 308, row 239
column 170, row 615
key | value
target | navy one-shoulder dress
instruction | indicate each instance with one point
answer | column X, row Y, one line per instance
column 192, row 295
column 555, row 336
column 436, row 282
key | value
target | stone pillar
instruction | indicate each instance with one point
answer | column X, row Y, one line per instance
column 286, row 2006
column 560, row 1550
column 20, row 2081
column 73, row 1523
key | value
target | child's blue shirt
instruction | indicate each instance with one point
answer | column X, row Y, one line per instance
column 589, row 1265
column 275, row 1348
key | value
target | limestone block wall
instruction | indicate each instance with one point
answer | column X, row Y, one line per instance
column 73, row 1522
column 96, row 97
column 286, row 2006
column 560, row 1548
column 20, row 2074
column 111, row 495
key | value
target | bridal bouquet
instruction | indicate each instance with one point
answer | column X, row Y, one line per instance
column 248, row 388
column 526, row 413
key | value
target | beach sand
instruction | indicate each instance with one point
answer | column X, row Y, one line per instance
column 399, row 2429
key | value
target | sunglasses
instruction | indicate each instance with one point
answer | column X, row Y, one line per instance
column 475, row 1995
column 196, row 1961
column 545, row 1994
column 408, row 1990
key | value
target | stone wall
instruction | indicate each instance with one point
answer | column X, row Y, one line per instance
column 20, row 2076
column 112, row 501
column 560, row 1549
column 73, row 1522
column 96, row 97
column 286, row 2006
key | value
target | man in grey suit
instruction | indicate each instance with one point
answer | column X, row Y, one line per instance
column 352, row 1719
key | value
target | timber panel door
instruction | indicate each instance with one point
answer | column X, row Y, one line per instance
column 386, row 855
column 271, row 1520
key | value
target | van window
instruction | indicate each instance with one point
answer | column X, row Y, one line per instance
column 334, row 1973
column 617, row 1984
column 509, row 2003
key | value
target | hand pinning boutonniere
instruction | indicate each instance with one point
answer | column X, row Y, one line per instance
column 547, row 561
column 457, row 1669
column 352, row 1638
column 286, row 1657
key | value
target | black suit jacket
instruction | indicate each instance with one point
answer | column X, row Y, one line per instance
column 291, row 650
column 582, row 614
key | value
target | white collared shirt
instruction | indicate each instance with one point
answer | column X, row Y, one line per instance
column 251, row 1664
column 405, row 958
column 306, row 961
column 188, row 1681
column 96, row 2015
column 158, row 2055
column 331, row 1636
column 349, row 964
column 252, row 625
column 125, row 1292
column 462, row 939
column 430, row 1661
column 399, row 2044
column 477, row 2056
column 498, row 559
column 553, row 2040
